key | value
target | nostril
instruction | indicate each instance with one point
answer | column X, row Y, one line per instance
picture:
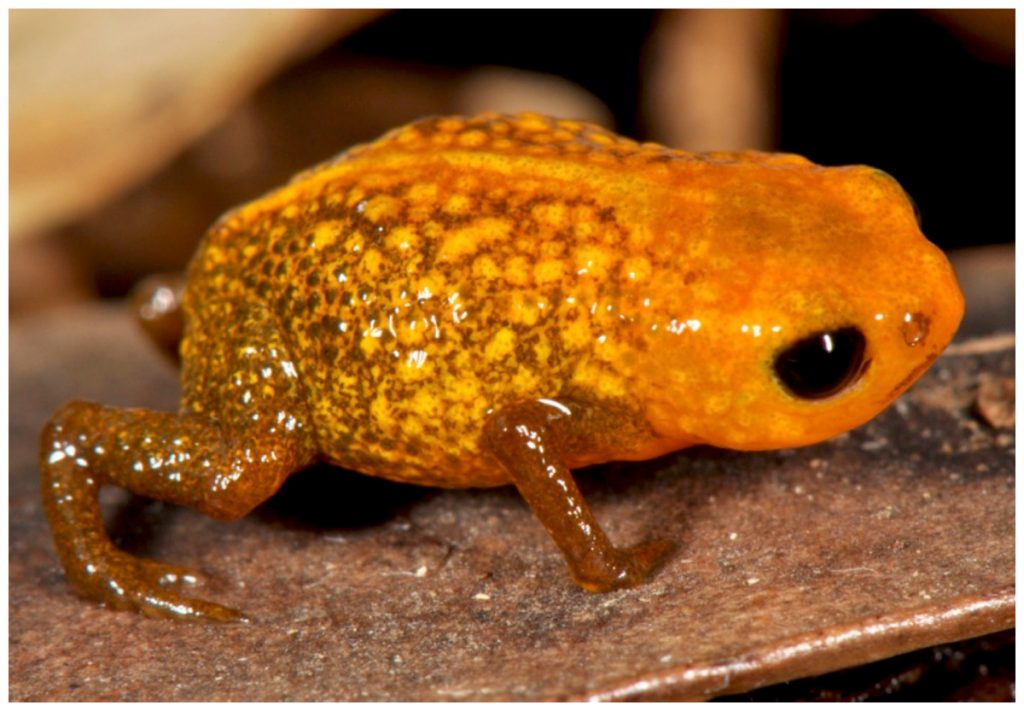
column 915, row 328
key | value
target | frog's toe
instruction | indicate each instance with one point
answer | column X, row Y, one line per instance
column 125, row 582
column 157, row 595
column 628, row 567
column 171, row 576
column 160, row 603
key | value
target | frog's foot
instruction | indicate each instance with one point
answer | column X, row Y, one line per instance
column 189, row 460
column 533, row 440
column 622, row 568
column 125, row 582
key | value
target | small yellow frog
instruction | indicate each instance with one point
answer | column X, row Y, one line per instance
column 472, row 302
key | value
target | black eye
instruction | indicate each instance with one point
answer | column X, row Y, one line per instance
column 822, row 364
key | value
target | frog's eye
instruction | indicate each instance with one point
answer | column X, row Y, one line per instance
column 821, row 364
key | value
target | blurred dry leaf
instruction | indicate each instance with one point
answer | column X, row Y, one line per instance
column 988, row 33
column 102, row 98
column 507, row 90
column 986, row 276
column 713, row 79
column 997, row 398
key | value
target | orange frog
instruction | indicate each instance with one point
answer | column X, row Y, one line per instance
column 472, row 302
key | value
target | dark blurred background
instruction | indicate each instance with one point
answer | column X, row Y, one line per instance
column 131, row 131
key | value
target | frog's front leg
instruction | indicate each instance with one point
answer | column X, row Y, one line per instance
column 533, row 440
column 242, row 431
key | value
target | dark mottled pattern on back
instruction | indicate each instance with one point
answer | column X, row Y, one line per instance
column 414, row 297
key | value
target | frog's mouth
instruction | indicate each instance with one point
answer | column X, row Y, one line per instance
column 913, row 375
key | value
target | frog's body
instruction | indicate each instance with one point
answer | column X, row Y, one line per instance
column 473, row 302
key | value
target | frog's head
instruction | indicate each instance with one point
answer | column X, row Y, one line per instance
column 825, row 304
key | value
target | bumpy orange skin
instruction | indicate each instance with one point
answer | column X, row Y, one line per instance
column 460, row 264
column 403, row 309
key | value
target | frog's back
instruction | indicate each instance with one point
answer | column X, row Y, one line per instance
column 427, row 279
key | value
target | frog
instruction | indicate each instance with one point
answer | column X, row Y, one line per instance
column 493, row 300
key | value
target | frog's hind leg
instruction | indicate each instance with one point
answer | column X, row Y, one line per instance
column 243, row 429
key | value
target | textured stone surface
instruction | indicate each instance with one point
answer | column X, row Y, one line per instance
column 894, row 537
